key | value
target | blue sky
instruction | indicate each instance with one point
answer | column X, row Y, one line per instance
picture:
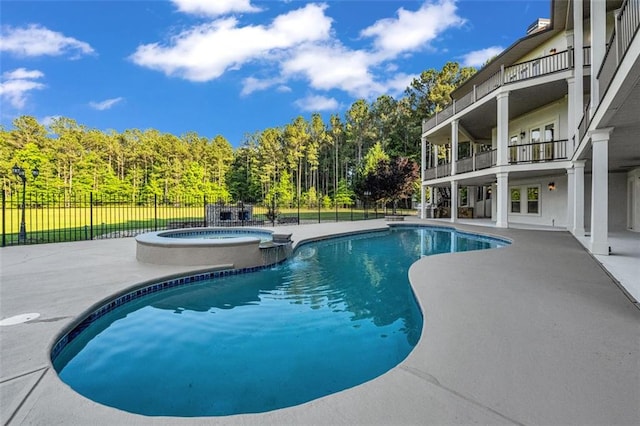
column 232, row 67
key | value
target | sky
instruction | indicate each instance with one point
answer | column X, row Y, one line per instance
column 233, row 67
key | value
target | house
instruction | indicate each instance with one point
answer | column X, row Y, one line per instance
column 548, row 132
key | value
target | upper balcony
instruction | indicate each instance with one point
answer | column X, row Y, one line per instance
column 509, row 75
column 530, row 153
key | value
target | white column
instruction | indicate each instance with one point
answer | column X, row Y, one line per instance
column 571, row 183
column 578, row 67
column 598, row 46
column 435, row 155
column 502, row 200
column 454, row 146
column 503, row 128
column 578, row 199
column 423, row 165
column 599, row 191
column 454, row 201
column 571, row 124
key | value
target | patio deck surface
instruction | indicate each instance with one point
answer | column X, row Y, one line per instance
column 533, row 333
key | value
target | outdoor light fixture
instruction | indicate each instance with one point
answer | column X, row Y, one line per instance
column 19, row 171
column 522, row 134
column 552, row 186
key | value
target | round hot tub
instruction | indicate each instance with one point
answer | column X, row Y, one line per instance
column 235, row 248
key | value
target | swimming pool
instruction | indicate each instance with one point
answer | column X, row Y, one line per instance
column 340, row 312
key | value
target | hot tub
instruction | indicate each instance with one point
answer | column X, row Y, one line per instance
column 236, row 248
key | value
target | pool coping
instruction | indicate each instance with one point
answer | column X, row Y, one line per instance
column 458, row 377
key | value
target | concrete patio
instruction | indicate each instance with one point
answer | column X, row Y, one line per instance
column 533, row 333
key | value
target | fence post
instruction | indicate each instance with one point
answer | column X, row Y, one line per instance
column 319, row 201
column 155, row 212
column 204, row 200
column 4, row 235
column 91, row 214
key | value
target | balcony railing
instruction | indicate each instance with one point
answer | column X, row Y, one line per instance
column 441, row 170
column 537, row 67
column 584, row 122
column 484, row 160
column 479, row 161
column 517, row 154
column 539, row 151
column 508, row 75
column 626, row 26
column 464, row 165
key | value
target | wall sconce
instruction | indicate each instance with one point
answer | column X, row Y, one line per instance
column 552, row 186
column 522, row 134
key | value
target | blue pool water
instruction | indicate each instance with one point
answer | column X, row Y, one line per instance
column 340, row 312
column 219, row 234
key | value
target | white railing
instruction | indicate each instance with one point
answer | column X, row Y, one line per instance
column 627, row 22
column 479, row 161
column 507, row 75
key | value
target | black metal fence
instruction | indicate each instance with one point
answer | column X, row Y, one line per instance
column 35, row 218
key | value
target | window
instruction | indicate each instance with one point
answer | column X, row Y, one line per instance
column 535, row 135
column 513, row 150
column 533, row 196
column 515, row 200
column 548, row 132
column 535, row 149
column 464, row 199
column 549, row 137
column 530, row 204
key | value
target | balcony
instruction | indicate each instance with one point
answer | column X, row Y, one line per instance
column 507, row 75
column 539, row 152
column 479, row 161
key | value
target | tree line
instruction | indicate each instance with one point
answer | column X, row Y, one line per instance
column 308, row 160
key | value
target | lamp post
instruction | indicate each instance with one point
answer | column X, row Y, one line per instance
column 19, row 171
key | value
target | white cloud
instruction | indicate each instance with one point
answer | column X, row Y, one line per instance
column 214, row 7
column 315, row 103
column 398, row 83
column 412, row 31
column 252, row 84
column 35, row 40
column 331, row 67
column 16, row 85
column 299, row 44
column 478, row 58
column 48, row 120
column 106, row 104
column 205, row 52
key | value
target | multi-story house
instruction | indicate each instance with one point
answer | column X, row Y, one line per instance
column 548, row 132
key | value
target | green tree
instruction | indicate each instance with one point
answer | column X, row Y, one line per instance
column 344, row 196
column 296, row 138
column 359, row 129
